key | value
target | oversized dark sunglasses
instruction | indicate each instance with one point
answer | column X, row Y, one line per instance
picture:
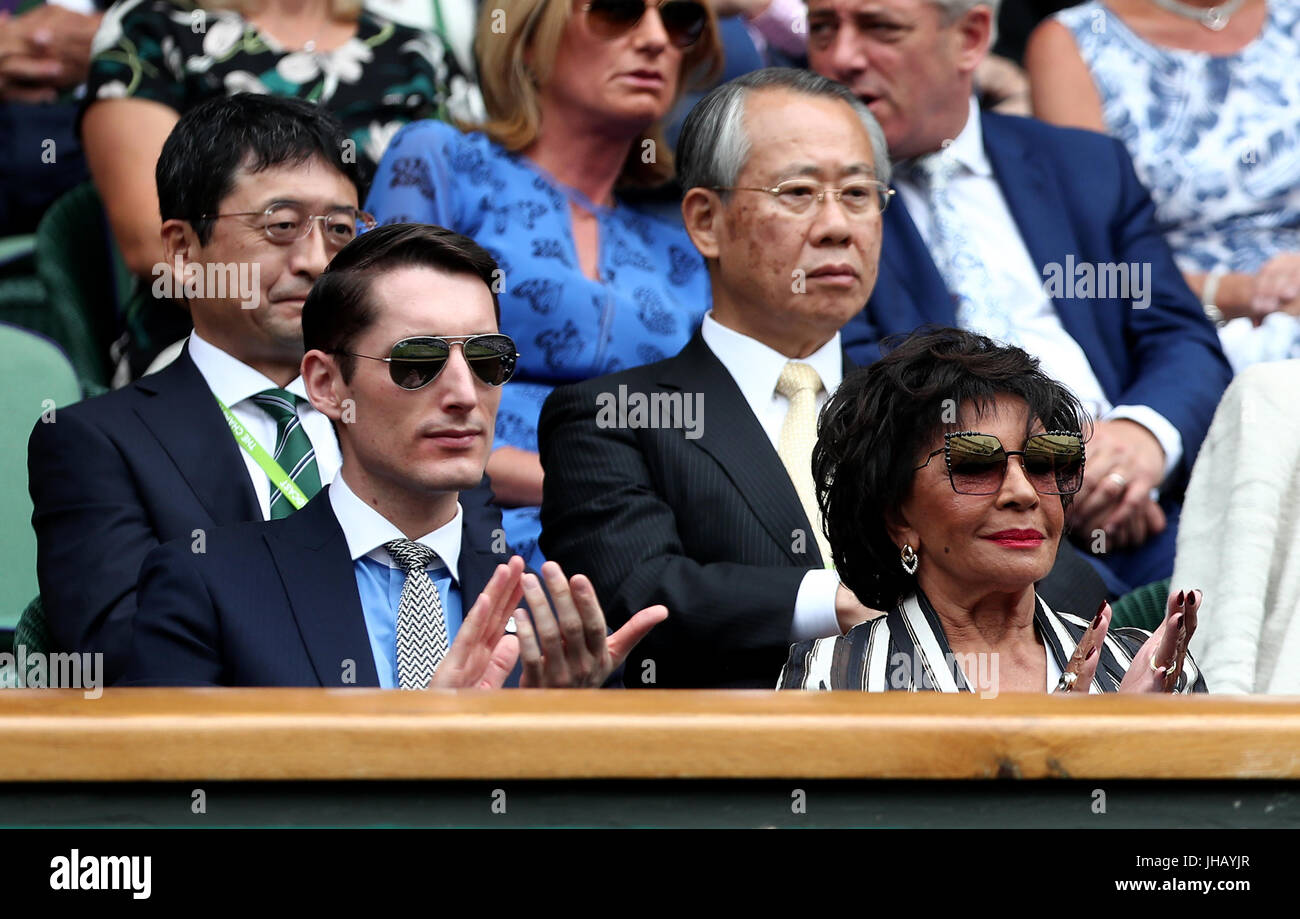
column 416, row 362
column 684, row 20
column 977, row 463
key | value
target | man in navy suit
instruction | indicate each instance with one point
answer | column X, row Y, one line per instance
column 113, row 477
column 383, row 579
column 1039, row 236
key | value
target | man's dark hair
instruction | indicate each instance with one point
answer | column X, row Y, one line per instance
column 212, row 141
column 871, row 434
column 339, row 309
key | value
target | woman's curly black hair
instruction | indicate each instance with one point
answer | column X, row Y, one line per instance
column 871, row 433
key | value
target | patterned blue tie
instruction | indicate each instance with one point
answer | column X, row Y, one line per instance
column 964, row 273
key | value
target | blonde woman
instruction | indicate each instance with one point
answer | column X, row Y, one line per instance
column 575, row 91
column 155, row 59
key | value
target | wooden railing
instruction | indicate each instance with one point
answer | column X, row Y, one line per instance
column 146, row 734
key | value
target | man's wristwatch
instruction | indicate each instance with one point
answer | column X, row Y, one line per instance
column 1210, row 294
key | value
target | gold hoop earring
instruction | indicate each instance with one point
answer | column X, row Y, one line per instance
column 909, row 559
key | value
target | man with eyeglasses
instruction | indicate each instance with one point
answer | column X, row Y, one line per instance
column 713, row 514
column 710, row 512
column 383, row 579
column 257, row 194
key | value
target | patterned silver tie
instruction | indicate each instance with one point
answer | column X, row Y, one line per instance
column 964, row 273
column 421, row 627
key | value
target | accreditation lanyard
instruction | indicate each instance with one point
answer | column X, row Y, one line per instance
column 279, row 478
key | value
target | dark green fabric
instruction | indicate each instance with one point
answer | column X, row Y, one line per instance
column 75, row 259
column 1144, row 607
column 32, row 630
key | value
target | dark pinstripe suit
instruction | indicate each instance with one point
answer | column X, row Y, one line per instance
column 704, row 526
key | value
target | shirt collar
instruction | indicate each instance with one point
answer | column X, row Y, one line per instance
column 366, row 530
column 967, row 147
column 756, row 367
column 230, row 379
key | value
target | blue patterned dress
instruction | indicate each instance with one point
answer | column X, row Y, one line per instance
column 1216, row 139
column 652, row 293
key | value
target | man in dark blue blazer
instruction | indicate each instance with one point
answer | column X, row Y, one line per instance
column 1039, row 236
column 384, row 579
column 115, row 476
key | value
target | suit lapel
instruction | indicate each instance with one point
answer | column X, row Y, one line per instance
column 1038, row 210
column 312, row 556
column 736, row 440
column 183, row 415
column 905, row 256
column 476, row 564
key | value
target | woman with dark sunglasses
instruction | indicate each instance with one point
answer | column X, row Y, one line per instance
column 575, row 92
column 945, row 470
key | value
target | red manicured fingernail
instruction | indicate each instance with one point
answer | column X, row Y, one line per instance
column 1181, row 596
column 1101, row 607
column 1091, row 652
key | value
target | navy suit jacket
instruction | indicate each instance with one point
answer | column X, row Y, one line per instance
column 272, row 603
column 1071, row 193
column 114, row 477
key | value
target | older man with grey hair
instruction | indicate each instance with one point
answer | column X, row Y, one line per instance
column 689, row 480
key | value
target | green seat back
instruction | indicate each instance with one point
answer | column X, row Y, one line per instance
column 35, row 379
column 79, row 264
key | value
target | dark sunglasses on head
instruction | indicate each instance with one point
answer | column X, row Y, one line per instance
column 416, row 362
column 684, row 20
column 977, row 463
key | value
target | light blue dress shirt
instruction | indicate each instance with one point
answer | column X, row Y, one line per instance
column 380, row 581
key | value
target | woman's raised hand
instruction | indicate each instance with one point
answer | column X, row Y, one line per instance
column 1159, row 661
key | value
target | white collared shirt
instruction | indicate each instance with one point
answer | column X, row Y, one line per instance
column 234, row 383
column 367, row 531
column 1017, row 285
column 756, row 368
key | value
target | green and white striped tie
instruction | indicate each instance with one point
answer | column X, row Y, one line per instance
column 293, row 449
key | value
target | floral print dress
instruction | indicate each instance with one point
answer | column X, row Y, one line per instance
column 180, row 54
column 1216, row 139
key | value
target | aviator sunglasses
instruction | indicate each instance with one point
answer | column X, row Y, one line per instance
column 977, row 463
column 684, row 20
column 416, row 362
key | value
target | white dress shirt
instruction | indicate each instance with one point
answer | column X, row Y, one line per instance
column 234, row 383
column 367, row 531
column 756, row 368
column 1017, row 284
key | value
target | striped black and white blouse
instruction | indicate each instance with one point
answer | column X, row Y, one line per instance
column 907, row 650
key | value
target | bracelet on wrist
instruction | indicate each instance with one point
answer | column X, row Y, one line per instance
column 1210, row 296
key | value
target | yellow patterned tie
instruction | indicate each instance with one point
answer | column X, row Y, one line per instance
column 800, row 384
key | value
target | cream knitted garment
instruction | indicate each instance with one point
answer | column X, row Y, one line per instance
column 1239, row 539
